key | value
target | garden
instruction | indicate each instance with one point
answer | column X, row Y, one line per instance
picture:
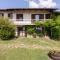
column 26, row 48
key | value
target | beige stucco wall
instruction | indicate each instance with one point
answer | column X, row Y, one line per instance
column 26, row 15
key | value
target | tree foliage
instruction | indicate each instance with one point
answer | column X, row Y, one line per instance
column 30, row 30
column 53, row 28
column 7, row 29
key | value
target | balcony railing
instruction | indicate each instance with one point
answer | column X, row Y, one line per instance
column 25, row 21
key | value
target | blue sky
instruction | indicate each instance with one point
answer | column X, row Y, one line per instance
column 19, row 3
column 58, row 3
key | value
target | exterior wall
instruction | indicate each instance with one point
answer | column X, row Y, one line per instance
column 5, row 14
column 27, row 17
column 14, row 16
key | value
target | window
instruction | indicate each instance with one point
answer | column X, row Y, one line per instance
column 1, row 14
column 10, row 15
column 41, row 16
column 48, row 16
column 19, row 16
column 37, row 16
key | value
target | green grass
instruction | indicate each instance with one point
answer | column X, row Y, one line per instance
column 23, row 54
column 26, row 51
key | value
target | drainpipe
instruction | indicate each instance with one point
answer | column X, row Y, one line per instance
column 16, row 32
column 44, row 26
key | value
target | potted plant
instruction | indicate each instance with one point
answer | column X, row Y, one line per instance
column 55, row 55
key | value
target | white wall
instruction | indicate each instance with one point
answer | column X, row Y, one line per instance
column 14, row 16
column 26, row 17
column 5, row 14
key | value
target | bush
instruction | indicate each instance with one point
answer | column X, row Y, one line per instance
column 56, row 32
column 39, row 25
column 7, row 29
column 39, row 31
column 30, row 30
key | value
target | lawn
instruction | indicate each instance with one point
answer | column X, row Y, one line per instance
column 27, row 48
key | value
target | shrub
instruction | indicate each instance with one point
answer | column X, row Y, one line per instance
column 56, row 32
column 39, row 25
column 30, row 30
column 39, row 31
column 49, row 25
column 7, row 29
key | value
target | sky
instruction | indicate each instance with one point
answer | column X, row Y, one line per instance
column 29, row 3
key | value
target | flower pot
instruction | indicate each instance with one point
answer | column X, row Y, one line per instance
column 54, row 55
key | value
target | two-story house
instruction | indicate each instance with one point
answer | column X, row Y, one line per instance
column 26, row 16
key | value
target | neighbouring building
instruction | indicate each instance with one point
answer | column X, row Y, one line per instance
column 22, row 17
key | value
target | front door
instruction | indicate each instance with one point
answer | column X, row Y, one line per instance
column 21, row 31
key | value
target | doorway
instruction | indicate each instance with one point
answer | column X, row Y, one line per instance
column 21, row 31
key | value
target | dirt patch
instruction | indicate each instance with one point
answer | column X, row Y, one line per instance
column 28, row 46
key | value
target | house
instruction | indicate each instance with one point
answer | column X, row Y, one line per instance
column 22, row 17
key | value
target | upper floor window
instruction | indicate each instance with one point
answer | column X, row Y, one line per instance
column 10, row 15
column 48, row 16
column 19, row 17
column 41, row 16
column 1, row 14
column 37, row 16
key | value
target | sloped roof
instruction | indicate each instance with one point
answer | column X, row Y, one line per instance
column 29, row 9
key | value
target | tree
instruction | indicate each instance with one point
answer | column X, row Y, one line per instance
column 56, row 32
column 7, row 29
column 52, row 27
column 48, row 26
column 39, row 25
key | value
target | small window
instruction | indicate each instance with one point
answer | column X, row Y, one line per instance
column 1, row 14
column 48, row 16
column 10, row 15
column 37, row 16
column 41, row 16
column 19, row 16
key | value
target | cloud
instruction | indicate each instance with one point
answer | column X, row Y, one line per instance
column 47, row 3
column 41, row 4
column 33, row 4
